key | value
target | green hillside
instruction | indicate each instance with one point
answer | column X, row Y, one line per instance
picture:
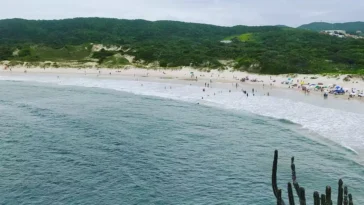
column 266, row 49
column 349, row 27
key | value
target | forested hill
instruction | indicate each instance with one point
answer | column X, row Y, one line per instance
column 267, row 49
column 349, row 26
column 58, row 33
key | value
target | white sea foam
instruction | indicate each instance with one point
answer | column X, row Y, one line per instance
column 344, row 128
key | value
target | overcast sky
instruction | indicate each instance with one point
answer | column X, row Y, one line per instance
column 218, row 12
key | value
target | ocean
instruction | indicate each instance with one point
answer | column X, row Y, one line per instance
column 79, row 140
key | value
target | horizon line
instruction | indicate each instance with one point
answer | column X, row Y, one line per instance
column 70, row 18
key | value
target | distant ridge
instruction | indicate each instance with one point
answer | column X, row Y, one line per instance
column 283, row 26
column 349, row 26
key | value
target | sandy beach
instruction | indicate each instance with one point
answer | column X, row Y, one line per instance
column 225, row 79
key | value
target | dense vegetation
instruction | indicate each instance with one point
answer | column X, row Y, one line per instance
column 349, row 26
column 267, row 49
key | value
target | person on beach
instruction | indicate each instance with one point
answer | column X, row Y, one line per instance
column 268, row 93
column 247, row 94
column 203, row 90
column 205, row 84
column 253, row 90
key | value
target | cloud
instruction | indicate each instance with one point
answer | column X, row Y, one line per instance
column 219, row 12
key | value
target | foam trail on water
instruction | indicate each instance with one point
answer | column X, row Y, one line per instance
column 344, row 128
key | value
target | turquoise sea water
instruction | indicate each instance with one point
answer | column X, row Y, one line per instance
column 63, row 144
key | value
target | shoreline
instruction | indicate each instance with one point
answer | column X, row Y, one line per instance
column 220, row 77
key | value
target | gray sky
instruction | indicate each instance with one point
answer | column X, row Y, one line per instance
column 218, row 12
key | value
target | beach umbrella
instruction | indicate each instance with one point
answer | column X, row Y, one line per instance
column 337, row 87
